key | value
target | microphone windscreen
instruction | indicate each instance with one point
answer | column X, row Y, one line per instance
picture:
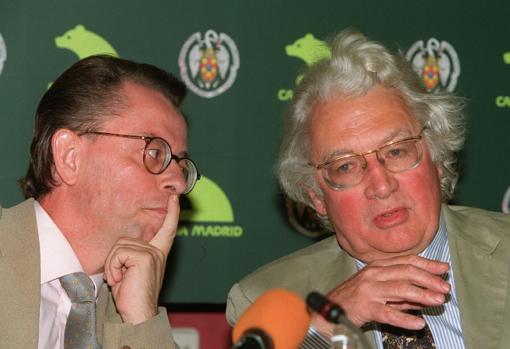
column 281, row 314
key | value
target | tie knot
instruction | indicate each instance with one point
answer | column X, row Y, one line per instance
column 79, row 287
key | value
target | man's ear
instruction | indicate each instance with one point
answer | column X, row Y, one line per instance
column 65, row 145
column 318, row 202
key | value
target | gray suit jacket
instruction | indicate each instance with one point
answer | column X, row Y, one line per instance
column 480, row 250
column 20, row 293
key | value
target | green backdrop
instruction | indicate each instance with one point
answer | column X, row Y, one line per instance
column 236, row 219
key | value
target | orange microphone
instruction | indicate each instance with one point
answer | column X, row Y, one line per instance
column 278, row 319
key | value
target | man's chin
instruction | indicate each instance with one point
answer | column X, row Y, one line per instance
column 151, row 225
column 403, row 249
column 149, row 233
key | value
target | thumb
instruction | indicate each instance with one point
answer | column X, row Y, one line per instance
column 164, row 238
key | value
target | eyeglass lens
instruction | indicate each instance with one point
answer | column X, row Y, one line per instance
column 157, row 157
column 400, row 156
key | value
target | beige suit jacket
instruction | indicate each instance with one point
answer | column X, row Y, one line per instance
column 20, row 293
column 480, row 250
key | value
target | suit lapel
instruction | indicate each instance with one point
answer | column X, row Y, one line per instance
column 340, row 268
column 20, row 275
column 480, row 268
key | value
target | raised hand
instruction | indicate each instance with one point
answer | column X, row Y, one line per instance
column 134, row 269
column 384, row 290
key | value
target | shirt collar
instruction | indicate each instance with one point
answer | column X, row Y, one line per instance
column 438, row 248
column 57, row 256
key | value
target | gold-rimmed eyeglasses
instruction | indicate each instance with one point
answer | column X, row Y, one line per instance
column 348, row 170
column 157, row 156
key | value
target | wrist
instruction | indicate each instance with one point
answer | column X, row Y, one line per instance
column 135, row 318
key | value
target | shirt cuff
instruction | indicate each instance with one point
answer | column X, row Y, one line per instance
column 314, row 340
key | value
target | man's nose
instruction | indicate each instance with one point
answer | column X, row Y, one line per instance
column 172, row 179
column 380, row 183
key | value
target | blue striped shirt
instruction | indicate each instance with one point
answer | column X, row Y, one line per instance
column 443, row 321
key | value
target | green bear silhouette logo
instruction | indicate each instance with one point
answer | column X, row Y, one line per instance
column 310, row 50
column 84, row 43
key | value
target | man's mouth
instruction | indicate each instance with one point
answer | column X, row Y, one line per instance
column 391, row 218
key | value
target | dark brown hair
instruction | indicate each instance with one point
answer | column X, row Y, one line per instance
column 79, row 100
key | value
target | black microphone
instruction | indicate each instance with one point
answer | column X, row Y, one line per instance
column 322, row 305
column 254, row 338
column 345, row 333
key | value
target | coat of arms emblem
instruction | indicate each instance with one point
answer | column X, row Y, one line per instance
column 436, row 63
column 209, row 63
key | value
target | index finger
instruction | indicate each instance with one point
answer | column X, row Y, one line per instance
column 164, row 238
column 432, row 266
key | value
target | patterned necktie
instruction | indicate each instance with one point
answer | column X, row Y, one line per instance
column 80, row 331
column 398, row 338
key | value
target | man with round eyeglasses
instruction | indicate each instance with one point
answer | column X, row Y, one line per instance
column 374, row 155
column 83, row 258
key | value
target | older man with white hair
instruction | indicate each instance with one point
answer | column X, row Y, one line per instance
column 374, row 155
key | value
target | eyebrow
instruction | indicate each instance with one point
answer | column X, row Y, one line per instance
column 181, row 154
column 394, row 136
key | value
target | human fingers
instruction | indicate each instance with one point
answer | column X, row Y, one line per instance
column 410, row 273
column 405, row 305
column 385, row 284
column 381, row 314
column 404, row 292
column 430, row 265
column 388, row 315
column 387, row 303
column 134, row 269
column 133, row 255
column 164, row 238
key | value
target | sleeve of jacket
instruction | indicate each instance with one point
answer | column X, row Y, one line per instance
column 154, row 333
column 237, row 303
